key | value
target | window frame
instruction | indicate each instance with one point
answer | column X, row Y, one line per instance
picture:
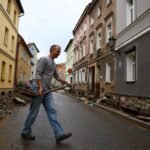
column 108, row 74
column 84, row 27
column 130, row 17
column 9, row 6
column 98, row 39
column 91, row 44
column 109, row 22
column 15, row 17
column 6, row 36
column 91, row 21
column 10, row 73
column 77, row 76
column 99, row 11
column 84, row 75
column 131, row 66
column 3, row 71
column 12, row 43
column 84, row 49
column 80, row 75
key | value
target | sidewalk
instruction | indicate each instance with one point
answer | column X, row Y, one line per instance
column 139, row 122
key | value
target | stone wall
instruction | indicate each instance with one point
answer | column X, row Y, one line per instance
column 139, row 105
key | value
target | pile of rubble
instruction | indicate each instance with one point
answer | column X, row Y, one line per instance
column 134, row 105
column 9, row 104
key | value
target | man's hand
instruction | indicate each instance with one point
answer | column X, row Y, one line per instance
column 69, row 85
column 63, row 81
column 40, row 91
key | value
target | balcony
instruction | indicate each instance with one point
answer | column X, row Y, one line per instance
column 98, row 52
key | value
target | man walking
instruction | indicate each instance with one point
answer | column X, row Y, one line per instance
column 46, row 69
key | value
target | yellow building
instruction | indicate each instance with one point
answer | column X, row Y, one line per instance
column 10, row 11
column 23, row 62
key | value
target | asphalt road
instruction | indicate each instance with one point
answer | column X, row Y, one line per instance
column 92, row 128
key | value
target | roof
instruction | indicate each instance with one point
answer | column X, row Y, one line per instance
column 81, row 17
column 93, row 3
column 71, row 40
column 20, row 6
column 25, row 45
column 33, row 44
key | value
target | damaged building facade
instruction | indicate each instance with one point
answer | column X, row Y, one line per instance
column 94, row 62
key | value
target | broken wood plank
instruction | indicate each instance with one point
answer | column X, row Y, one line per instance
column 146, row 118
column 18, row 100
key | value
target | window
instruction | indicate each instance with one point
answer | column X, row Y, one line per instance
column 83, row 74
column 91, row 45
column 83, row 50
column 3, row 71
column 131, row 66
column 108, row 31
column 80, row 52
column 129, row 11
column 109, row 1
column 12, row 43
column 10, row 73
column 81, row 31
column 9, row 6
column 15, row 16
column 76, row 77
column 80, row 75
column 91, row 21
column 74, row 58
column 99, row 39
column 84, row 27
column 99, row 12
column 108, row 72
column 6, row 36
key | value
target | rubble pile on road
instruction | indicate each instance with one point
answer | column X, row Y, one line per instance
column 9, row 104
column 133, row 104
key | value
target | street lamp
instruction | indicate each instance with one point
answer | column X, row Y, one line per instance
column 112, row 42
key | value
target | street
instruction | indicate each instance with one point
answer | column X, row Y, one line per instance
column 92, row 128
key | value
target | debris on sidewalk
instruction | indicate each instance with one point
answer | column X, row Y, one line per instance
column 87, row 102
column 136, row 107
column 84, row 98
column 1, row 114
column 103, row 100
column 17, row 100
column 144, row 118
column 91, row 105
column 9, row 104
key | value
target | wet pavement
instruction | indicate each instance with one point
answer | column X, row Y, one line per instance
column 92, row 128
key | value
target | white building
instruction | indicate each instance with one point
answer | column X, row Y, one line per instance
column 69, row 60
column 34, row 51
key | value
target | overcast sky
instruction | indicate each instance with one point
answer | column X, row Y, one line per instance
column 50, row 22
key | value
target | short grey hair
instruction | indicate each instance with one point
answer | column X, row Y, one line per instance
column 54, row 46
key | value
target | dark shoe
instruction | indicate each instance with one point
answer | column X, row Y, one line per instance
column 63, row 137
column 28, row 136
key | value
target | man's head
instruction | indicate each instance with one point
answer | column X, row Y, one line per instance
column 55, row 51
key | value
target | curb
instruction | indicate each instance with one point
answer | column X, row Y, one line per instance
column 117, row 112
